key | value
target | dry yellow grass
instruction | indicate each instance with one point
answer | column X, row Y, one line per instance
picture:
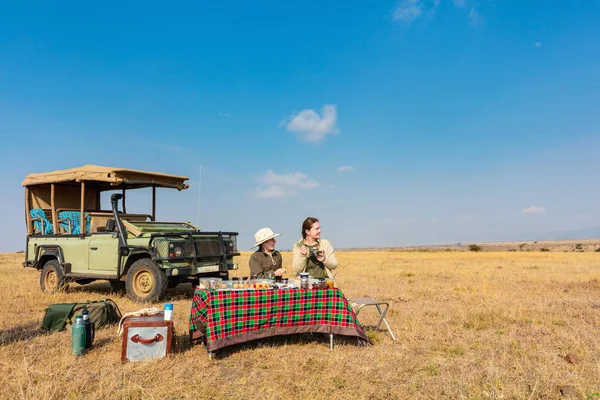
column 469, row 325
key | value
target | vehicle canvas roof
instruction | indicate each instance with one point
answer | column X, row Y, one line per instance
column 107, row 178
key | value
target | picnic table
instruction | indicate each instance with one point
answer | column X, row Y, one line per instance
column 226, row 317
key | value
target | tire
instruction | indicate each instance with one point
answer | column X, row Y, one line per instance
column 145, row 281
column 117, row 286
column 52, row 278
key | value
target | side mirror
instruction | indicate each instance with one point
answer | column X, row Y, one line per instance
column 111, row 224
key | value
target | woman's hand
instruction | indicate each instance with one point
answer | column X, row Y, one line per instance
column 304, row 250
column 280, row 272
column 321, row 256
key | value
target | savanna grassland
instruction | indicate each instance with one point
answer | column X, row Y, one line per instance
column 522, row 325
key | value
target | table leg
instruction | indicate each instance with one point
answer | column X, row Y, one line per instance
column 381, row 314
column 331, row 341
column 385, row 321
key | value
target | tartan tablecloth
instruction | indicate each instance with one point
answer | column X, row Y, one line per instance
column 223, row 318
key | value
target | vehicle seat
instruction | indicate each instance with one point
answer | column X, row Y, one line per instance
column 70, row 222
column 41, row 221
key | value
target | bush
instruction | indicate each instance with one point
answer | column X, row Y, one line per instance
column 578, row 246
column 544, row 249
column 475, row 247
column 598, row 250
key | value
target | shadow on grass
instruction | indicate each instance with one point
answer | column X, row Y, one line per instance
column 19, row 333
column 279, row 341
column 99, row 343
column 182, row 291
column 103, row 288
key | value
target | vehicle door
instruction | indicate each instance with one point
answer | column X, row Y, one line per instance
column 104, row 252
column 75, row 251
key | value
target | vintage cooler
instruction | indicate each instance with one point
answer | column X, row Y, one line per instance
column 146, row 338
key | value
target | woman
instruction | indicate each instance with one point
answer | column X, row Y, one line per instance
column 266, row 261
column 313, row 254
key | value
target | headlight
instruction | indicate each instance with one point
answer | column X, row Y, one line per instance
column 175, row 250
column 178, row 251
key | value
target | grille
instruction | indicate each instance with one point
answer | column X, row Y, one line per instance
column 208, row 245
column 162, row 247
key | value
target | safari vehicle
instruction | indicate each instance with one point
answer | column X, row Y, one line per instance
column 132, row 251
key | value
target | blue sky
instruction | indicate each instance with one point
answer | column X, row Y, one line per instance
column 394, row 123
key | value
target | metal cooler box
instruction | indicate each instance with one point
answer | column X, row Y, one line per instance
column 146, row 338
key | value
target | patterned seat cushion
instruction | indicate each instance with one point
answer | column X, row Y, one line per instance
column 74, row 218
column 45, row 227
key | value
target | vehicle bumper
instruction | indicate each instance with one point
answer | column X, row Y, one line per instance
column 177, row 271
column 185, row 270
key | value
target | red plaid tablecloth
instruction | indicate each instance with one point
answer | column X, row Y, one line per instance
column 223, row 318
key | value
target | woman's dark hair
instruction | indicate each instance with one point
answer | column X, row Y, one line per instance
column 307, row 224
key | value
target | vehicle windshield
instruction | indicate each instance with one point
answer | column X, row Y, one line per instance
column 150, row 226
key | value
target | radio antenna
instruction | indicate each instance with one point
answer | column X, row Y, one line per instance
column 199, row 193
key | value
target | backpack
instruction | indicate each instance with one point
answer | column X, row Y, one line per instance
column 102, row 312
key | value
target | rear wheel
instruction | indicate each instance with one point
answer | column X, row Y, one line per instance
column 145, row 281
column 52, row 278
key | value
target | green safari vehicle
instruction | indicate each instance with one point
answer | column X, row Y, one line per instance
column 132, row 251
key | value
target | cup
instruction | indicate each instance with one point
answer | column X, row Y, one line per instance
column 304, row 280
column 168, row 311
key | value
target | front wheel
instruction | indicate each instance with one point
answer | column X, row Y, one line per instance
column 145, row 281
column 52, row 278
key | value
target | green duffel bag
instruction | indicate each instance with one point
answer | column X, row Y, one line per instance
column 102, row 312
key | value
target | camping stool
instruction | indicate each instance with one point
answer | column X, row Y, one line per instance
column 358, row 304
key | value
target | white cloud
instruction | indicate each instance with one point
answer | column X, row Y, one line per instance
column 345, row 168
column 475, row 18
column 271, row 192
column 407, row 10
column 224, row 115
column 312, row 127
column 533, row 210
column 273, row 185
column 538, row 44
